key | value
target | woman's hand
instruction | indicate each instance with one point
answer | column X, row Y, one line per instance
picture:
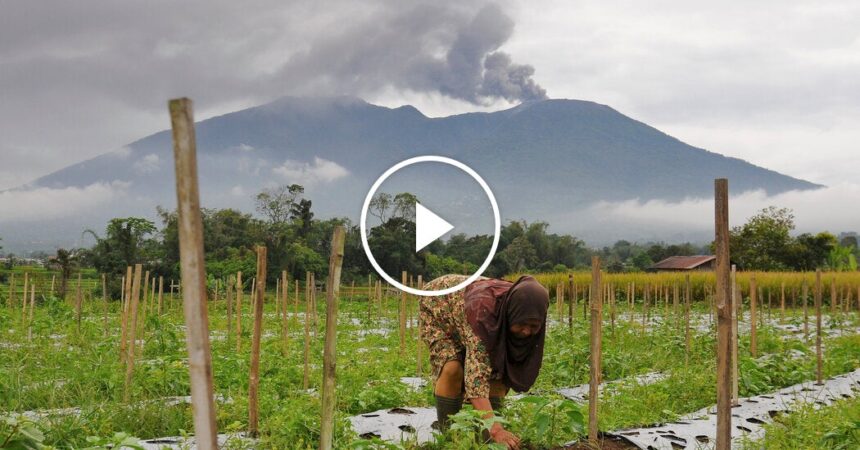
column 501, row 436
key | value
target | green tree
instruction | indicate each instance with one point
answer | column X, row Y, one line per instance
column 519, row 255
column 126, row 242
column 65, row 261
column 763, row 242
column 841, row 259
column 276, row 204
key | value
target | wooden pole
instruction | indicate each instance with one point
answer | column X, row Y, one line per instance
column 105, row 303
column 78, row 302
column 254, row 378
column 160, row 292
column 571, row 305
column 126, row 290
column 818, row 358
column 753, row 324
column 306, row 377
column 596, row 322
column 285, row 330
column 330, row 349
column 687, row 330
column 239, row 290
column 132, row 332
column 32, row 307
column 419, row 345
column 724, row 318
column 11, row 300
column 782, row 302
column 805, row 299
column 24, row 297
column 735, row 302
column 231, row 282
column 403, row 278
column 193, row 271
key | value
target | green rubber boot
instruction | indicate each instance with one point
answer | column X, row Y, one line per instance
column 445, row 408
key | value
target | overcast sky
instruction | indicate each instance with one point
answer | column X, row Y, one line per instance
column 776, row 83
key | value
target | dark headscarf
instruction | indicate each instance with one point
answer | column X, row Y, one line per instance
column 492, row 306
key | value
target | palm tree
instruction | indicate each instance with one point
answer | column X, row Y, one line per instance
column 65, row 261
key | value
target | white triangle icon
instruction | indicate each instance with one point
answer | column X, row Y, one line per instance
column 428, row 227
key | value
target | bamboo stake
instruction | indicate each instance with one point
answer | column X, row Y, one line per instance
column 403, row 279
column 832, row 295
column 160, row 292
column 285, row 330
column 53, row 279
column 193, row 273
column 24, row 298
column 105, row 303
column 239, row 290
column 11, row 300
column 231, row 282
column 330, row 349
column 306, row 377
column 32, row 307
column 687, row 305
column 420, row 328
column 595, row 340
column 314, row 309
column 571, row 305
column 724, row 309
column 805, row 295
column 126, row 283
column 78, row 302
column 734, row 337
column 129, row 357
column 818, row 358
column 753, row 325
column 254, row 378
column 782, row 302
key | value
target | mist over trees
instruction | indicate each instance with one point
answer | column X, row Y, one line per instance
column 298, row 242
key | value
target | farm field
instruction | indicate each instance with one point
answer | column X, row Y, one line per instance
column 65, row 384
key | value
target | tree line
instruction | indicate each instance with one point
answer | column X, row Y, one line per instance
column 298, row 242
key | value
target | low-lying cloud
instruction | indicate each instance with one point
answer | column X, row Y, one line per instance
column 832, row 209
column 47, row 203
column 309, row 174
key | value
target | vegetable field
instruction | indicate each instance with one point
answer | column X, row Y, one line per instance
column 82, row 372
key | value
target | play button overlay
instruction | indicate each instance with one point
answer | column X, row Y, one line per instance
column 428, row 226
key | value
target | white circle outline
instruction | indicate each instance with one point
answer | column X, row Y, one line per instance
column 443, row 160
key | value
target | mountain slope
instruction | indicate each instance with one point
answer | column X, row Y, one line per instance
column 540, row 158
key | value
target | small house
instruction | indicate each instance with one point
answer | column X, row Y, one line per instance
column 685, row 264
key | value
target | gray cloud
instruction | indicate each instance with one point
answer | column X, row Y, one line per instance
column 80, row 79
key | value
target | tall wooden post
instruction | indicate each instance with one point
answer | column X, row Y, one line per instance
column 403, row 280
column 126, row 290
column 735, row 313
column 306, row 375
column 571, row 305
column 193, row 275
column 420, row 344
column 687, row 330
column 330, row 349
column 724, row 315
column 254, row 378
column 805, row 299
column 596, row 323
column 78, row 301
column 11, row 300
column 239, row 290
column 753, row 323
column 132, row 332
column 285, row 330
column 818, row 359
column 105, row 303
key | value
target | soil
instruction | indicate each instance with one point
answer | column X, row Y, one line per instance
column 605, row 443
